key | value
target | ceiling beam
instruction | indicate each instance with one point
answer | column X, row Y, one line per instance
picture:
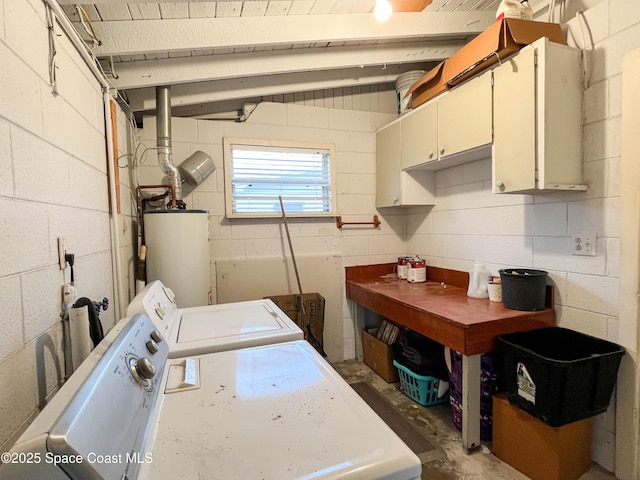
column 148, row 36
column 224, row 90
column 402, row 5
column 218, row 67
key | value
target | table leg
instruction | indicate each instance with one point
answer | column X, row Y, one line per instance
column 470, row 402
column 358, row 326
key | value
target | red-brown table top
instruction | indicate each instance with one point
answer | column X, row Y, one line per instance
column 440, row 308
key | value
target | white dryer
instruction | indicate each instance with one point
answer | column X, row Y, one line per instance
column 276, row 412
column 213, row 328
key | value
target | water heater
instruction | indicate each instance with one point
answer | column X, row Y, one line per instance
column 177, row 244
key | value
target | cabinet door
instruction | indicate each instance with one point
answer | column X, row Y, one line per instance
column 388, row 145
column 464, row 116
column 420, row 136
column 559, row 105
column 514, row 123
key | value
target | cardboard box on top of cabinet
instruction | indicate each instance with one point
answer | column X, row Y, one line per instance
column 497, row 42
column 536, row 449
column 313, row 309
column 379, row 356
column 428, row 86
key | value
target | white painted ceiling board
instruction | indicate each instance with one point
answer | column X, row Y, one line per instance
column 112, row 12
column 145, row 11
column 94, row 15
column 228, row 9
column 202, row 9
column 278, row 7
column 301, row 7
column 174, row 10
column 142, row 31
column 323, row 6
column 254, row 9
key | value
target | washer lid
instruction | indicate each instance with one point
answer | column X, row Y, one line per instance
column 237, row 325
column 274, row 412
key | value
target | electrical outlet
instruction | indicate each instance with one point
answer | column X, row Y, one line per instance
column 583, row 244
column 62, row 249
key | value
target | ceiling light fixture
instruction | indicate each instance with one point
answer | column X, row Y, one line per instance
column 382, row 10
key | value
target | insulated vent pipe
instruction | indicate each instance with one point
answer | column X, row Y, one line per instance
column 163, row 143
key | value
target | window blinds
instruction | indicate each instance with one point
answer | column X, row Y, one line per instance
column 259, row 174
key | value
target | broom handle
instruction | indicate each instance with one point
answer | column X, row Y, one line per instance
column 293, row 257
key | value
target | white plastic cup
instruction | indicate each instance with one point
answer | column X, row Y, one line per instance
column 495, row 291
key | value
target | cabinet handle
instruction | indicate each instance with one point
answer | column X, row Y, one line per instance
column 430, row 154
column 500, row 185
column 396, row 199
column 441, row 150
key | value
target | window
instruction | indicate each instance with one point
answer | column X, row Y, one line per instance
column 257, row 172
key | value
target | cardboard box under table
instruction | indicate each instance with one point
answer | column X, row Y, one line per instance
column 379, row 356
column 313, row 312
column 536, row 449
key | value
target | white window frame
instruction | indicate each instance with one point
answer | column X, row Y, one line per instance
column 229, row 143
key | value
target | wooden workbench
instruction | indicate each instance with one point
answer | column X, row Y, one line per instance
column 440, row 309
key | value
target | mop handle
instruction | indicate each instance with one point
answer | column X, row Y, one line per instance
column 293, row 257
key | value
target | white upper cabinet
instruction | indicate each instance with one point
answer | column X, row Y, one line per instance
column 394, row 186
column 388, row 144
column 464, row 117
column 514, row 116
column 537, row 120
column 455, row 127
column 420, row 136
column 525, row 114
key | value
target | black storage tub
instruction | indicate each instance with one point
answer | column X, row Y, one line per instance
column 559, row 375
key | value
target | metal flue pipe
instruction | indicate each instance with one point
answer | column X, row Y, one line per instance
column 163, row 142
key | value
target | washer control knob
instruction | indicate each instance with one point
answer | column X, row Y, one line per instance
column 152, row 346
column 145, row 368
column 156, row 336
column 160, row 312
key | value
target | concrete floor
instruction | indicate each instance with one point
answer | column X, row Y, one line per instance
column 435, row 423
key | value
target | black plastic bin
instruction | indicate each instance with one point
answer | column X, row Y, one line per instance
column 559, row 375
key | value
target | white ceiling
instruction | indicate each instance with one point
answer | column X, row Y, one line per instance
column 218, row 55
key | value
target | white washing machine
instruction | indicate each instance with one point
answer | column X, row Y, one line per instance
column 213, row 328
column 274, row 412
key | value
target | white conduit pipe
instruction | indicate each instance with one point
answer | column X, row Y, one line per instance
column 78, row 43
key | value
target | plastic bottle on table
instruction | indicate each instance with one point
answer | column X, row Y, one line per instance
column 478, row 279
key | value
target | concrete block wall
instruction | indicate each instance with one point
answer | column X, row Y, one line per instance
column 470, row 223
column 53, row 182
column 353, row 134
